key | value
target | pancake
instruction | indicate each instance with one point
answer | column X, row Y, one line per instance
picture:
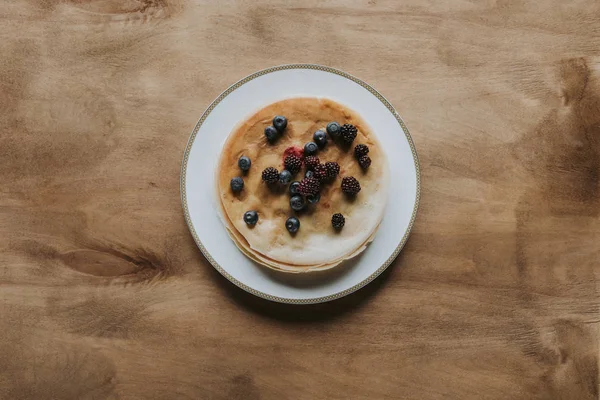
column 242, row 244
column 316, row 246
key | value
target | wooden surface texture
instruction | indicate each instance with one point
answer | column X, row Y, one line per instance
column 104, row 295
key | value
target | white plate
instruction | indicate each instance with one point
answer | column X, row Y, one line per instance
column 239, row 102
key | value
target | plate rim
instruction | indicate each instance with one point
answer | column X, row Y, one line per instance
column 241, row 285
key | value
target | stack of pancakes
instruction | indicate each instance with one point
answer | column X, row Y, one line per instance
column 317, row 245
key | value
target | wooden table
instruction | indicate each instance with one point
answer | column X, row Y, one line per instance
column 104, row 295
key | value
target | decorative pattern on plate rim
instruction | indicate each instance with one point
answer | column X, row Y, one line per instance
column 255, row 292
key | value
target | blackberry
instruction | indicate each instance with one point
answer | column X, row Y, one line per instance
column 333, row 169
column 309, row 186
column 350, row 185
column 364, row 162
column 360, row 150
column 348, row 133
column 270, row 175
column 321, row 172
column 292, row 163
column 311, row 162
column 338, row 221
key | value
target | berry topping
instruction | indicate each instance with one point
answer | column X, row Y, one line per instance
column 313, row 198
column 285, row 177
column 320, row 138
column 294, row 188
column 334, row 129
column 311, row 162
column 251, row 217
column 270, row 175
column 292, row 224
column 297, row 202
column 348, row 133
column 320, row 171
column 309, row 186
column 271, row 133
column 338, row 221
column 280, row 122
column 350, row 185
column 360, row 150
column 309, row 174
column 333, row 169
column 292, row 163
column 294, row 150
column 364, row 162
column 237, row 184
column 244, row 163
column 310, row 149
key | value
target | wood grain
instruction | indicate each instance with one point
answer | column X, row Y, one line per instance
column 103, row 294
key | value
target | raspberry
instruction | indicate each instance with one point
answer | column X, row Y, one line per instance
column 297, row 151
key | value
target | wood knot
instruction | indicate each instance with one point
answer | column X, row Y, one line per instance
column 110, row 262
column 143, row 9
column 573, row 75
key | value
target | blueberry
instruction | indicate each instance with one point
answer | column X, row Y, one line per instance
column 251, row 217
column 310, row 149
column 285, row 177
column 294, row 188
column 292, row 224
column 271, row 133
column 313, row 198
column 320, row 138
column 280, row 122
column 309, row 174
column 244, row 163
column 334, row 129
column 237, row 184
column 297, row 202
